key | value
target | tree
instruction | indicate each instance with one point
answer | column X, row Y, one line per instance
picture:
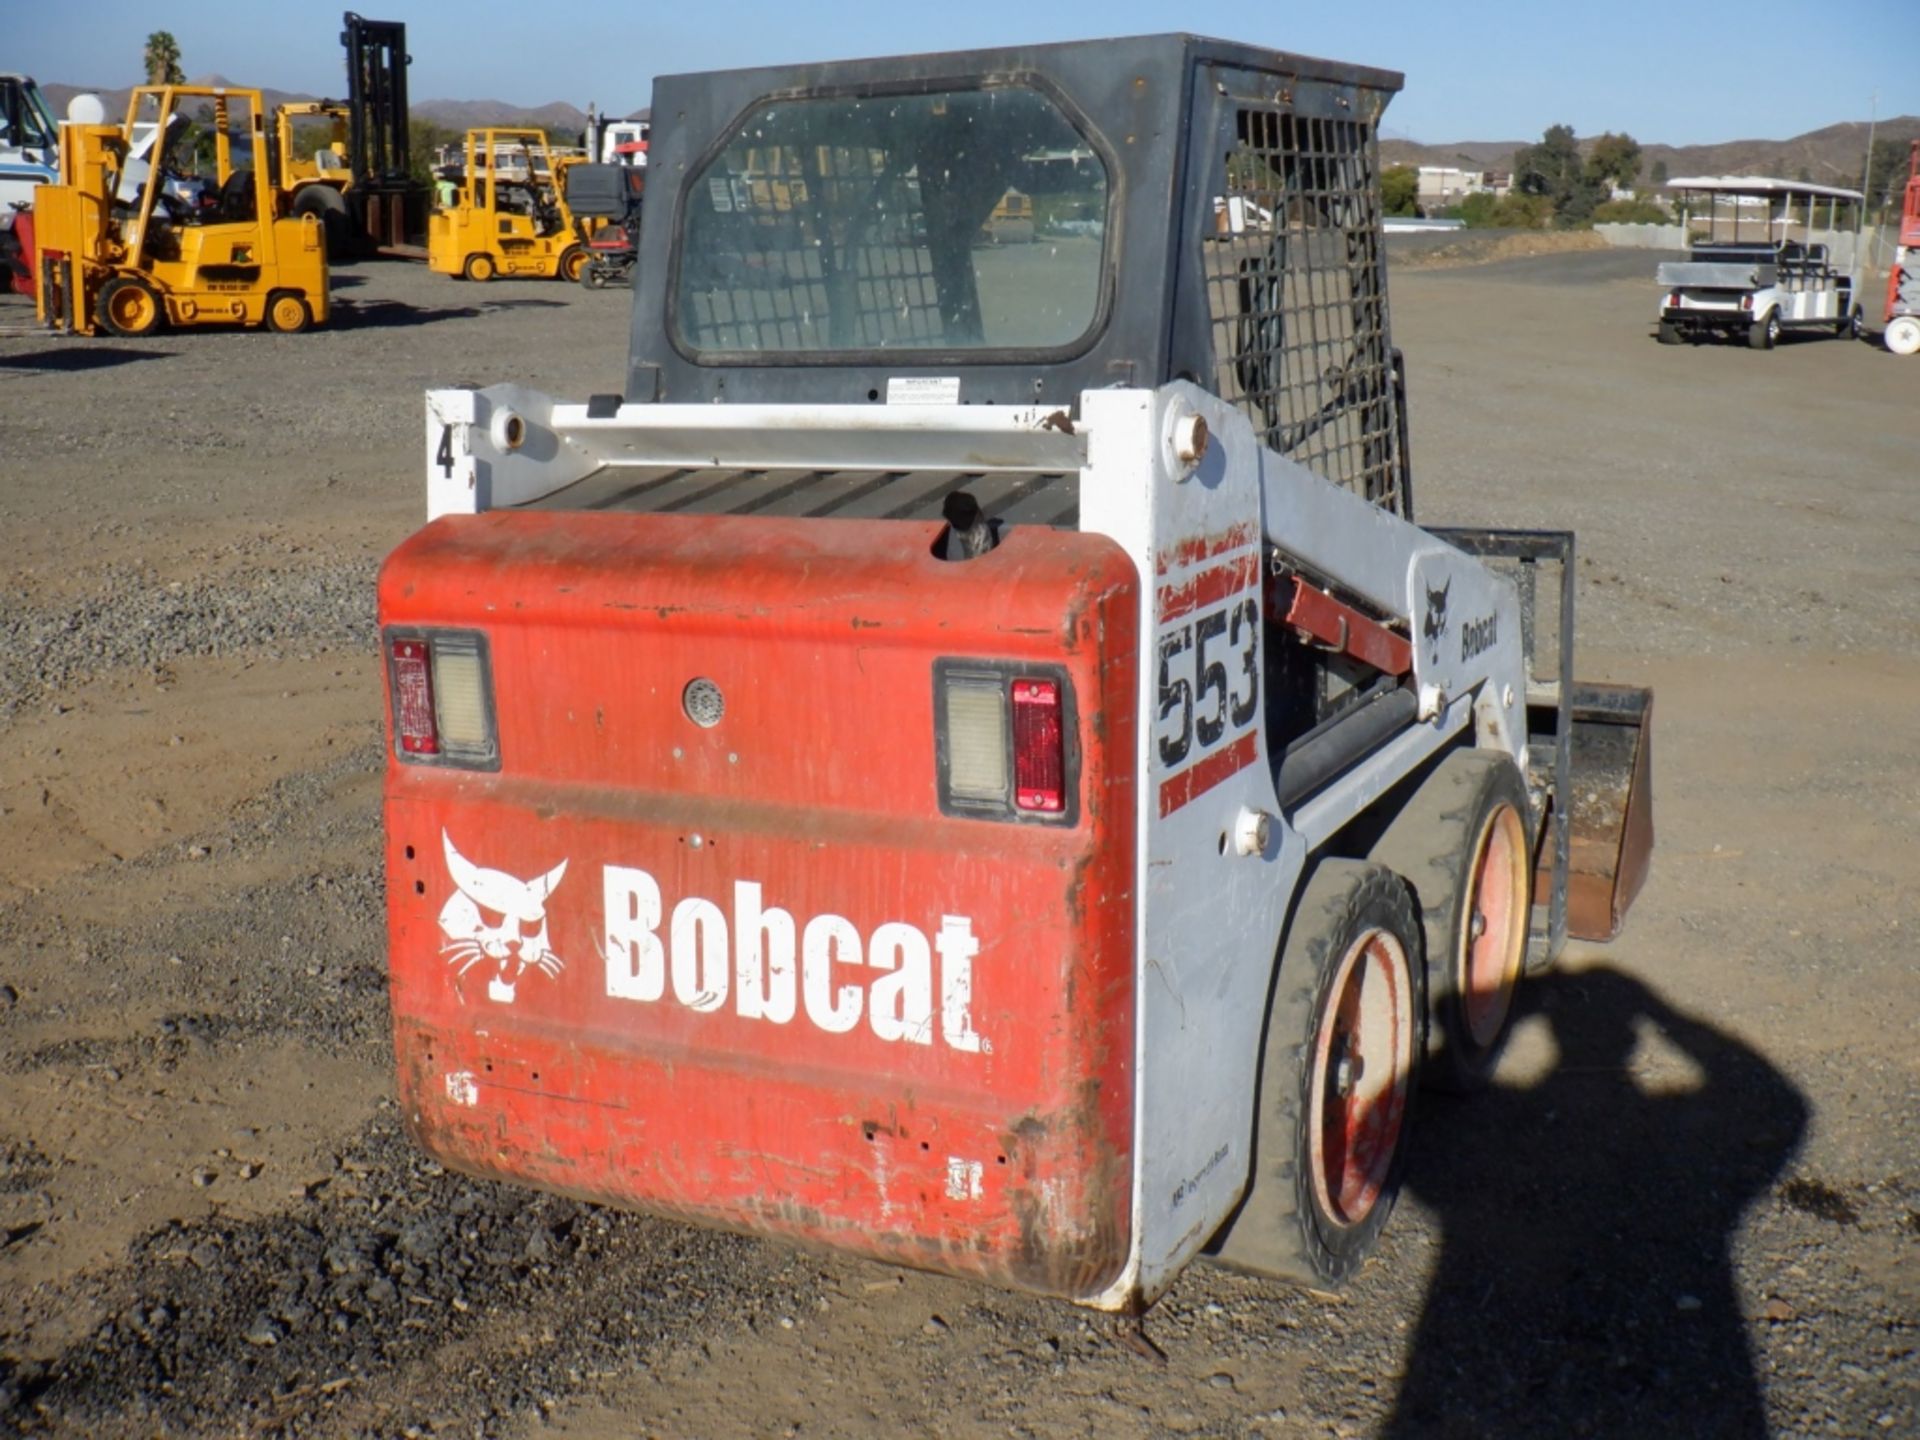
column 163, row 59
column 1658, row 175
column 1553, row 171
column 1614, row 159
column 1400, row 190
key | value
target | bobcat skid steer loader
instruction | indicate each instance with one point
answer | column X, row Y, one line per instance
column 967, row 757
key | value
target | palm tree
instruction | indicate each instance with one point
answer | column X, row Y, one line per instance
column 163, row 59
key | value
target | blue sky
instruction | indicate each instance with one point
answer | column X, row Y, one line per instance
column 1675, row 71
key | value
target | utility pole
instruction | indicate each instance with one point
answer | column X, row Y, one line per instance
column 1866, row 185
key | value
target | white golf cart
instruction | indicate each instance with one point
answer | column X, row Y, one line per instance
column 1764, row 257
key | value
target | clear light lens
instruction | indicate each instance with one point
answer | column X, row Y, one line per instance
column 977, row 739
column 460, row 690
column 413, row 697
column 1039, row 757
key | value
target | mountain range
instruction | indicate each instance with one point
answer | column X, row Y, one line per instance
column 1830, row 156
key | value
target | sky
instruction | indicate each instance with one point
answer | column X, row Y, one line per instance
column 1678, row 72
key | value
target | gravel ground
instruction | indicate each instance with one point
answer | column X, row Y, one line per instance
column 1690, row 1206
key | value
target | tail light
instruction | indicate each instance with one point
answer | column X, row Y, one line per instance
column 1039, row 761
column 1746, row 302
column 441, row 690
column 1005, row 741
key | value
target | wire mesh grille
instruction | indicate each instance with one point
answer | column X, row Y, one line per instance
column 1296, row 294
column 860, row 223
column 783, row 284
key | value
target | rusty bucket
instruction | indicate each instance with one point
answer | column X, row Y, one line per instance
column 1610, row 807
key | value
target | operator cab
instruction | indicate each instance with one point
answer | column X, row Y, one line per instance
column 831, row 240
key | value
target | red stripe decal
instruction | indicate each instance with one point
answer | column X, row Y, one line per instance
column 1204, row 547
column 1198, row 778
column 1209, row 587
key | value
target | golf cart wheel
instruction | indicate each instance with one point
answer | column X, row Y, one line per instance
column 1669, row 333
column 573, row 260
column 1849, row 328
column 287, row 313
column 1764, row 334
column 593, row 276
column 1340, row 1061
column 479, row 268
column 1461, row 843
column 1903, row 334
column 128, row 306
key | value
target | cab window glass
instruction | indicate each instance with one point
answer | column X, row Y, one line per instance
column 957, row 220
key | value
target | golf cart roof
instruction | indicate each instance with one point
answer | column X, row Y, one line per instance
column 1760, row 185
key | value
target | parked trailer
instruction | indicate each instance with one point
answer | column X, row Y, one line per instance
column 968, row 759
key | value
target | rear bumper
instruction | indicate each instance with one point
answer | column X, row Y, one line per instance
column 751, row 975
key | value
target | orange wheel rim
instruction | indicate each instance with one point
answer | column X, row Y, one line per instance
column 1362, row 1058
column 1496, row 938
column 132, row 309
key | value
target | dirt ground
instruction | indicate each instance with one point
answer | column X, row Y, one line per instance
column 1690, row 1205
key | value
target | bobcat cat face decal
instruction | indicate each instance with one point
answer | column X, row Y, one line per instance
column 496, row 918
column 1434, row 626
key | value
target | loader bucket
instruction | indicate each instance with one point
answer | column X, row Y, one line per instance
column 1611, row 807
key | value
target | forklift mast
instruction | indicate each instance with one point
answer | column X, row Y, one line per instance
column 391, row 206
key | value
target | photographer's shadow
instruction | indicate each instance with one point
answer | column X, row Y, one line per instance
column 1585, row 1285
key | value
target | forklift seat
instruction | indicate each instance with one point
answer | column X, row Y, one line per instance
column 236, row 199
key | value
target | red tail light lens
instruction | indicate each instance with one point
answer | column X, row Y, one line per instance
column 1039, row 758
column 411, row 667
column 441, row 688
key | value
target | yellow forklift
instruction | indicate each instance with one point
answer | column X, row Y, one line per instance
column 509, row 215
column 311, row 170
column 165, row 219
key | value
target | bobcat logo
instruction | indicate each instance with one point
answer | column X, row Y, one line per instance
column 1435, row 625
column 493, row 916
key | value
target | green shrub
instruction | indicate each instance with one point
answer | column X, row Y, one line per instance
column 1631, row 212
column 1507, row 212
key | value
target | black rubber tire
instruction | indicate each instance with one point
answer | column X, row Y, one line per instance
column 151, row 313
column 1435, row 844
column 1669, row 333
column 326, row 204
column 479, row 269
column 1852, row 327
column 1285, row 1228
column 1764, row 334
column 573, row 262
column 592, row 277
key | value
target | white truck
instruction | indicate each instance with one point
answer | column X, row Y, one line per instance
column 967, row 757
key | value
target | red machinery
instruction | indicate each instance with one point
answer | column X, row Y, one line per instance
column 1903, row 280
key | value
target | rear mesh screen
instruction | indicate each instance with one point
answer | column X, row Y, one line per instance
column 1296, row 294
